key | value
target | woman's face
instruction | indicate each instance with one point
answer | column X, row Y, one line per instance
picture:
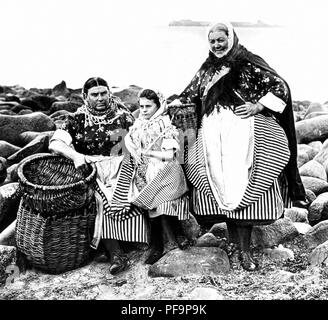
column 147, row 108
column 98, row 98
column 218, row 41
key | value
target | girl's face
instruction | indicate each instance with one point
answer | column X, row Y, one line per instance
column 147, row 108
column 218, row 41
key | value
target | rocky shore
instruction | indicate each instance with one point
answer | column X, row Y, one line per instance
column 292, row 252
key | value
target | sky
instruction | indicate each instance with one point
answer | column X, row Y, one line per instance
column 32, row 30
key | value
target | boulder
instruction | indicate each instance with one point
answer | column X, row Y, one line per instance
column 317, row 145
column 296, row 214
column 39, row 102
column 315, row 107
column 310, row 195
column 305, row 153
column 313, row 169
column 317, row 186
column 197, row 261
column 12, row 126
column 64, row 105
column 302, row 227
column 9, row 204
column 38, row 145
column 319, row 256
column 208, row 240
column 28, row 136
column 7, row 149
column 12, row 174
column 7, row 258
column 322, row 155
column 318, row 234
column 190, row 228
column 316, row 114
column 271, row 235
column 318, row 209
column 279, row 254
column 59, row 115
column 129, row 96
column 60, row 90
column 25, row 111
column 7, row 236
column 220, row 230
column 3, row 169
column 312, row 129
column 18, row 108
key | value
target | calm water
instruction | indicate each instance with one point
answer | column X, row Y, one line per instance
column 164, row 58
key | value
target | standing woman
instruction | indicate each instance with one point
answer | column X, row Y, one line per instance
column 94, row 133
column 158, row 184
column 243, row 165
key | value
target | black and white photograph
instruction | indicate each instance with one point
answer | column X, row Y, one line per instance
column 163, row 156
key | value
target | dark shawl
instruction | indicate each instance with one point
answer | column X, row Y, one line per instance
column 222, row 92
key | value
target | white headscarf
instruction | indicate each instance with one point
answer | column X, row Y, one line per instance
column 218, row 25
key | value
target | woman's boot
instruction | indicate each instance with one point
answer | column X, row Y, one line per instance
column 116, row 256
column 156, row 242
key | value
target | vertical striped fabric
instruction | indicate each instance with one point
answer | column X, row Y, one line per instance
column 263, row 199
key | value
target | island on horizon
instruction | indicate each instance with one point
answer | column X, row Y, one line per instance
column 236, row 24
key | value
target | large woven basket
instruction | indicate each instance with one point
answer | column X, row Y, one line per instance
column 55, row 244
column 56, row 214
column 184, row 116
column 50, row 184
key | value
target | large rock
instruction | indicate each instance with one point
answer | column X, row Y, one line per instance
column 193, row 261
column 220, row 230
column 9, row 203
column 302, row 227
column 64, row 105
column 12, row 126
column 316, row 185
column 28, row 136
column 271, row 235
column 59, row 115
column 305, row 153
column 7, row 236
column 317, row 145
column 7, row 149
column 39, row 102
column 12, row 174
column 318, row 209
column 312, row 129
column 38, row 145
column 315, row 107
column 60, row 90
column 129, row 96
column 3, row 169
column 316, row 235
column 296, row 214
column 319, row 256
column 313, row 169
column 190, row 228
column 208, row 240
column 7, row 258
column 322, row 155
column 310, row 196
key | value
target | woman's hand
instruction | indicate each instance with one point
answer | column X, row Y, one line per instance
column 79, row 161
column 248, row 109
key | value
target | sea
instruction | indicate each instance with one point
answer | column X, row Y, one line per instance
column 164, row 58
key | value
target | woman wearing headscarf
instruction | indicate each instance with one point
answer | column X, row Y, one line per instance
column 158, row 183
column 94, row 133
column 243, row 165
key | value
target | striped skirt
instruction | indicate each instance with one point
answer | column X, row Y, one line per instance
column 265, row 195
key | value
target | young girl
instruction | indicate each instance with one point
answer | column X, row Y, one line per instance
column 158, row 184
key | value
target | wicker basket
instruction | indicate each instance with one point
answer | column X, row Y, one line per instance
column 51, row 184
column 184, row 116
column 55, row 244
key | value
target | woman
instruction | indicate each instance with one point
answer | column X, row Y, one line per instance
column 158, row 183
column 246, row 140
column 94, row 133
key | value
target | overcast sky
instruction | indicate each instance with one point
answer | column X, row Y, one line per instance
column 25, row 15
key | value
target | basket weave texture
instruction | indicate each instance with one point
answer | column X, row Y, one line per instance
column 56, row 215
column 51, row 184
column 184, row 116
column 55, row 245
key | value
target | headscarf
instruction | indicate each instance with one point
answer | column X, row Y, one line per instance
column 235, row 58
